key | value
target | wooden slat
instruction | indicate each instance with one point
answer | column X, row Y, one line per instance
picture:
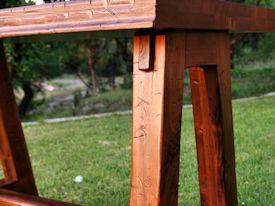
column 13, row 150
column 76, row 17
column 9, row 198
column 157, row 106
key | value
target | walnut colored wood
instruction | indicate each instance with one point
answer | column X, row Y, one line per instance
column 198, row 48
column 211, row 97
column 9, row 198
column 13, row 150
column 157, row 122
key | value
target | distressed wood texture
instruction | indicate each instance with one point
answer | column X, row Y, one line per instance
column 10, row 198
column 211, row 97
column 157, row 112
column 96, row 15
column 146, row 52
column 13, row 150
column 77, row 16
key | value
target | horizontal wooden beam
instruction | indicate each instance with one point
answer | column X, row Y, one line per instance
column 102, row 15
column 213, row 15
column 9, row 198
column 76, row 17
column 248, row 18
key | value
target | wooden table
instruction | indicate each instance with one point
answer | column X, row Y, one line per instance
column 170, row 36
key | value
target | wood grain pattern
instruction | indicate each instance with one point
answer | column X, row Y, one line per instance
column 147, row 52
column 144, row 52
column 224, row 80
column 212, row 107
column 76, row 17
column 213, row 15
column 208, row 129
column 158, row 89
column 10, row 198
column 100, row 15
column 157, row 123
column 13, row 150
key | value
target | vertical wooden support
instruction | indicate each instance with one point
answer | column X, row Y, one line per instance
column 207, row 116
column 13, row 150
column 157, row 109
column 212, row 107
column 224, row 80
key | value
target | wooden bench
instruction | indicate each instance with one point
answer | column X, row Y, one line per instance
column 170, row 36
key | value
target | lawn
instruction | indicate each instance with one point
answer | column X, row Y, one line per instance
column 99, row 150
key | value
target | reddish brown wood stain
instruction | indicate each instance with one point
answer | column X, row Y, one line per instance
column 179, row 34
column 207, row 116
column 10, row 198
column 14, row 154
column 99, row 15
column 211, row 97
column 156, row 140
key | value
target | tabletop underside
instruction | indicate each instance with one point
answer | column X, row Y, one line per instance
column 100, row 15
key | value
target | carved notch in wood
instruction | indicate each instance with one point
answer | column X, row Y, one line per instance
column 147, row 52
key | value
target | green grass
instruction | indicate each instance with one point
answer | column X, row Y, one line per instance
column 1, row 174
column 99, row 150
column 246, row 83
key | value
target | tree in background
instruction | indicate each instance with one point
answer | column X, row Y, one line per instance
column 13, row 51
column 104, row 57
column 253, row 46
column 31, row 64
column 11, row 3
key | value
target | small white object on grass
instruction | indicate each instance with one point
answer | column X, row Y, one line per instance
column 78, row 179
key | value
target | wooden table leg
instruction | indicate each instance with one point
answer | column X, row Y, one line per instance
column 157, row 109
column 212, row 107
column 13, row 150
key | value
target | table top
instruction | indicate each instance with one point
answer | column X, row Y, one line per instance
column 100, row 15
column 76, row 16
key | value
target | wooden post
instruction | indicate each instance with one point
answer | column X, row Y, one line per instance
column 212, row 107
column 13, row 150
column 157, row 109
